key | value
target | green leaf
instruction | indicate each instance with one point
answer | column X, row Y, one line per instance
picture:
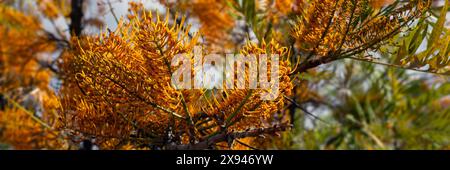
column 418, row 37
column 439, row 27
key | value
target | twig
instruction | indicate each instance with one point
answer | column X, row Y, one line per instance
column 38, row 120
column 112, row 12
column 304, row 110
column 76, row 17
column 394, row 65
column 221, row 137
column 241, row 105
column 246, row 145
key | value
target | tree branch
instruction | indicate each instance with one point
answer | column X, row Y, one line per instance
column 224, row 136
column 76, row 17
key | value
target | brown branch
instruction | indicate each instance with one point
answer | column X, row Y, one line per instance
column 297, row 105
column 112, row 12
column 76, row 17
column 246, row 145
column 2, row 102
column 224, row 136
column 312, row 63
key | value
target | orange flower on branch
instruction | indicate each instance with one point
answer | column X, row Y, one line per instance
column 121, row 84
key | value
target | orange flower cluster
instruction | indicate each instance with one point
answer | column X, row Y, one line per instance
column 244, row 108
column 18, row 58
column 26, row 130
column 117, row 88
column 216, row 21
column 24, row 81
column 284, row 6
column 380, row 3
column 48, row 8
column 256, row 111
column 331, row 26
column 120, row 80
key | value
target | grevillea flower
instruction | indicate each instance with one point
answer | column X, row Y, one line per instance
column 331, row 26
column 24, row 81
column 215, row 21
column 126, row 74
column 121, row 83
